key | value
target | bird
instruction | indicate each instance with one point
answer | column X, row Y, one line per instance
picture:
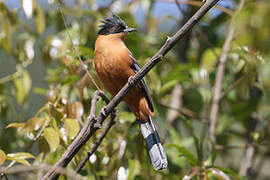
column 115, row 66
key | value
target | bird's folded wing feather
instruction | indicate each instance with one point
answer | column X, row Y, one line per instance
column 135, row 66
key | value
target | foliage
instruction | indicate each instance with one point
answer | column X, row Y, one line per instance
column 45, row 94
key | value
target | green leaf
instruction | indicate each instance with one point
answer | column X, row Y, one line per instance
column 211, row 160
column 126, row 116
column 20, row 157
column 209, row 59
column 195, row 138
column 41, row 91
column 33, row 124
column 168, row 86
column 52, row 138
column 15, row 125
column 3, row 157
column 192, row 160
column 213, row 153
column 230, row 172
column 22, row 85
column 72, row 127
column 39, row 19
column 8, row 24
column 23, row 161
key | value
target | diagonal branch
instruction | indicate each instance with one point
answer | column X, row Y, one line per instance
column 97, row 143
column 89, row 129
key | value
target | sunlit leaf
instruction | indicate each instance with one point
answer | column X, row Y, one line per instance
column 41, row 91
column 33, row 124
column 72, row 127
column 23, row 161
column 15, row 125
column 8, row 21
column 22, row 86
column 52, row 138
column 39, row 18
column 20, row 157
column 3, row 157
column 209, row 59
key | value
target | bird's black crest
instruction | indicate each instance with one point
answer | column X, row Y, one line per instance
column 112, row 25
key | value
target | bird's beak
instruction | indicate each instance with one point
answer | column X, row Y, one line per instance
column 129, row 30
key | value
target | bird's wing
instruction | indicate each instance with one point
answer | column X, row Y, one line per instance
column 135, row 67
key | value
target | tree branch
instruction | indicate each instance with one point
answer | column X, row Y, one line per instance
column 43, row 167
column 89, row 129
column 220, row 74
column 97, row 143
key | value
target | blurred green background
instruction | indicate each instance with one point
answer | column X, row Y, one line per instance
column 45, row 94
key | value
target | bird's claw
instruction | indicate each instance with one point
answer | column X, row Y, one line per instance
column 97, row 125
column 131, row 81
column 104, row 111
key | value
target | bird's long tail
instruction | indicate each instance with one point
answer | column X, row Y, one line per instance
column 154, row 147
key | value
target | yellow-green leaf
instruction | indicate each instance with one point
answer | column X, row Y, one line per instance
column 209, row 59
column 71, row 127
column 22, row 85
column 52, row 138
column 20, row 155
column 2, row 157
column 33, row 124
column 23, row 161
column 15, row 125
column 39, row 19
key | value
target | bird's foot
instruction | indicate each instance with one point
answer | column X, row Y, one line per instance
column 104, row 111
column 131, row 81
column 97, row 125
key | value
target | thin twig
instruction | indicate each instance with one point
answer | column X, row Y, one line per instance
column 231, row 87
column 184, row 111
column 89, row 129
column 97, row 143
column 73, row 48
column 220, row 74
column 10, row 77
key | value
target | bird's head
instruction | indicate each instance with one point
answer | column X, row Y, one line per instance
column 114, row 25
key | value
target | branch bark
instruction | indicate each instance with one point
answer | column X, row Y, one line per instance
column 97, row 143
column 220, row 74
column 89, row 128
